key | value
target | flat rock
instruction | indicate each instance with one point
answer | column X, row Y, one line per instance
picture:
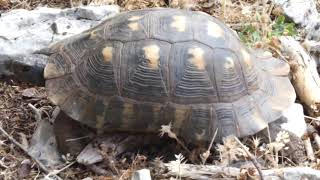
column 24, row 33
column 96, row 13
column 28, row 31
column 43, row 145
column 89, row 155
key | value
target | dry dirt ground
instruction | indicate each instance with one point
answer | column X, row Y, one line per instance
column 18, row 120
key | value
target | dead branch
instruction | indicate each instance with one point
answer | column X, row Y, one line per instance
column 252, row 158
column 306, row 80
column 42, row 167
column 309, row 150
column 37, row 112
column 312, row 118
column 192, row 171
column 314, row 133
column 54, row 173
column 317, row 140
column 204, row 156
column 166, row 129
column 24, row 149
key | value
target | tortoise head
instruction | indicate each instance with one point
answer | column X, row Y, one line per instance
column 5, row 66
column 27, row 68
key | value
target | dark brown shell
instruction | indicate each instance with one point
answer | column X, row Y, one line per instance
column 143, row 69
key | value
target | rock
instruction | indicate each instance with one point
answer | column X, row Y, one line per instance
column 87, row 178
column 143, row 174
column 302, row 12
column 30, row 92
column 89, row 155
column 307, row 16
column 43, row 145
column 28, row 31
column 96, row 12
column 295, row 120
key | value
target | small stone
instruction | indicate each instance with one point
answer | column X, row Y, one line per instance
column 143, row 174
column 30, row 92
column 87, row 178
column 89, row 155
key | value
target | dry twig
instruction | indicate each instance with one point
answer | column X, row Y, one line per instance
column 191, row 171
column 204, row 156
column 37, row 112
column 309, row 150
column 42, row 167
column 166, row 129
column 55, row 173
column 312, row 131
column 252, row 158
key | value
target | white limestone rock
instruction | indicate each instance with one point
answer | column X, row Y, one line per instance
column 295, row 120
column 142, row 174
column 96, row 13
column 23, row 32
column 302, row 12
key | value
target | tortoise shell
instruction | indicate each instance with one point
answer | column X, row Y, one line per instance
column 142, row 69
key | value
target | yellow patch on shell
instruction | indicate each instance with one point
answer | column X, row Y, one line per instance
column 229, row 63
column 197, row 58
column 156, row 113
column 107, row 54
column 179, row 23
column 179, row 117
column 152, row 53
column 156, row 110
column 100, row 123
column 135, row 18
column 52, row 71
column 134, row 26
column 214, row 30
column 127, row 115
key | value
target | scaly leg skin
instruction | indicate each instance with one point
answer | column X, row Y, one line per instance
column 296, row 151
column 71, row 136
column 5, row 66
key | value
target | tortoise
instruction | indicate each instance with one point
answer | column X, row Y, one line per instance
column 143, row 69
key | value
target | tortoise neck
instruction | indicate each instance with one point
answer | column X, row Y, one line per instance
column 24, row 68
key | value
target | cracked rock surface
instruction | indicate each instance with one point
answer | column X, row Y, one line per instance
column 23, row 32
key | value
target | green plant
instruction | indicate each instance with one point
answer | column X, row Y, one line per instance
column 251, row 34
column 280, row 27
